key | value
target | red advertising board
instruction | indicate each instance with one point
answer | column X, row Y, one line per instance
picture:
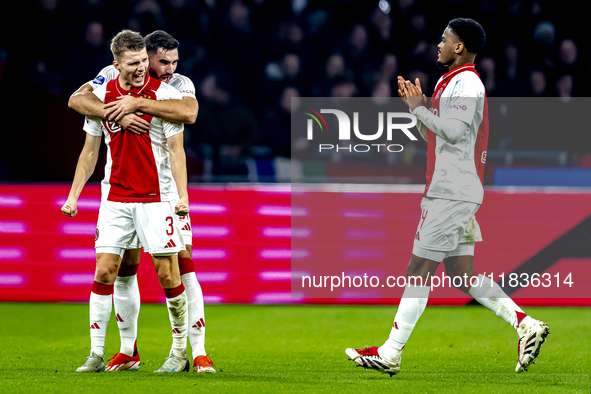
column 244, row 239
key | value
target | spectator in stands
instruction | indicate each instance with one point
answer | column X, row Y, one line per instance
column 226, row 125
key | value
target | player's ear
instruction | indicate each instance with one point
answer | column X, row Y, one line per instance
column 459, row 47
column 116, row 64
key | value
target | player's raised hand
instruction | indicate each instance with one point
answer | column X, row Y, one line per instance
column 414, row 95
column 401, row 92
column 134, row 124
column 418, row 86
column 182, row 207
column 124, row 105
column 70, row 208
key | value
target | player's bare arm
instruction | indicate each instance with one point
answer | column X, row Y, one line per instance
column 86, row 103
column 178, row 166
column 82, row 102
column 177, row 111
column 84, row 169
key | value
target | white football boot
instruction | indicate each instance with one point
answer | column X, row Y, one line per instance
column 175, row 363
column 531, row 337
column 369, row 358
column 94, row 363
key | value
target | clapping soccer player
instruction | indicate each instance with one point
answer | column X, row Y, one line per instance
column 455, row 126
column 143, row 193
column 163, row 56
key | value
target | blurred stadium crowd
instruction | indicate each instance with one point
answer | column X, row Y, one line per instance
column 247, row 58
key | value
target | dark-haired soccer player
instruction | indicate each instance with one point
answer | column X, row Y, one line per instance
column 455, row 126
column 163, row 56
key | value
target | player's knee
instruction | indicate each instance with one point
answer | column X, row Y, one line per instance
column 166, row 277
column 107, row 266
column 106, row 274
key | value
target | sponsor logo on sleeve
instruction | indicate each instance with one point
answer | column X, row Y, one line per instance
column 462, row 107
column 99, row 80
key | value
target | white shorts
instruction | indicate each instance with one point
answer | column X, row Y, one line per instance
column 466, row 249
column 154, row 224
column 185, row 223
column 445, row 224
column 186, row 232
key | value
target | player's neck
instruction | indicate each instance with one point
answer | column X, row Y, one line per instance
column 127, row 86
column 461, row 61
column 123, row 84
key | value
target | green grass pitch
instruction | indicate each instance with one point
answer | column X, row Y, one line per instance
column 297, row 349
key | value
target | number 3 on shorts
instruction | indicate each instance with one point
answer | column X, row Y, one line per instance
column 170, row 221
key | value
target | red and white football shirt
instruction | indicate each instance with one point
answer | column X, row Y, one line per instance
column 138, row 167
column 456, row 171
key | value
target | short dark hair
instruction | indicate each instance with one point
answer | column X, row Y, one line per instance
column 126, row 40
column 160, row 39
column 469, row 32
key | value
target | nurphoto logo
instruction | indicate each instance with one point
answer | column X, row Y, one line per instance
column 392, row 120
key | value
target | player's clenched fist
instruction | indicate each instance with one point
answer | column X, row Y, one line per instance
column 182, row 207
column 70, row 208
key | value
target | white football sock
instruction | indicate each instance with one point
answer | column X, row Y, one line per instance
column 126, row 297
column 100, row 312
column 490, row 294
column 177, row 313
column 412, row 305
column 196, row 314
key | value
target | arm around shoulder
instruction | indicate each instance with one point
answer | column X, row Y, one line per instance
column 192, row 109
column 175, row 110
column 85, row 102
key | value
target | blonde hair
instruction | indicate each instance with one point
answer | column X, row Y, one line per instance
column 126, row 40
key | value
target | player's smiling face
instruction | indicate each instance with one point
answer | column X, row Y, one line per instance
column 132, row 67
column 447, row 47
column 163, row 64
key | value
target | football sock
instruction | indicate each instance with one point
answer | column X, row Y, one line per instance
column 195, row 307
column 176, row 301
column 126, row 298
column 490, row 294
column 100, row 305
column 412, row 305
